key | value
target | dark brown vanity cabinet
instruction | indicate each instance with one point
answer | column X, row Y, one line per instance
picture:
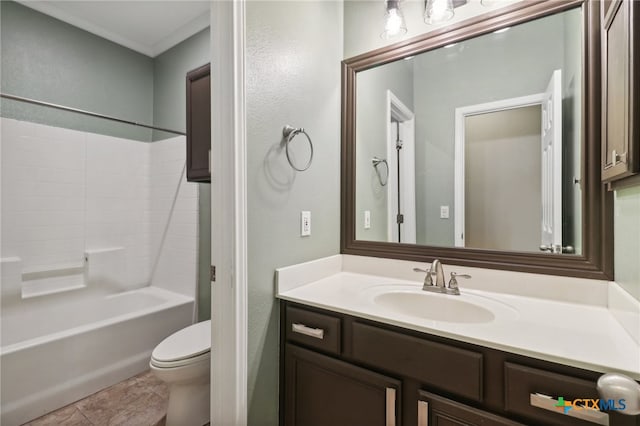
column 620, row 89
column 435, row 410
column 338, row 369
column 199, row 124
column 322, row 391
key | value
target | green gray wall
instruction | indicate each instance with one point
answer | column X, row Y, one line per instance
column 46, row 59
column 169, row 75
column 293, row 54
column 627, row 239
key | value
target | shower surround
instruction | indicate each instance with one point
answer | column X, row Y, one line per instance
column 98, row 258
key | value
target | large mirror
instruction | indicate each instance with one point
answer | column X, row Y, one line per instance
column 475, row 144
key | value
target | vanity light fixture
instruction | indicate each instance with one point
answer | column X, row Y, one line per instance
column 394, row 23
column 438, row 11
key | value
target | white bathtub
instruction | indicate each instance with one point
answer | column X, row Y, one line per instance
column 62, row 352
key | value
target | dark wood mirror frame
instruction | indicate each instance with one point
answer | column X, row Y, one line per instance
column 596, row 260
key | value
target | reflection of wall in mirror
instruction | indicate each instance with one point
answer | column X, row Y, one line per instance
column 488, row 68
column 371, row 140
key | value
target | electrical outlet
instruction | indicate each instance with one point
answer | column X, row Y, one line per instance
column 305, row 223
column 444, row 212
column 367, row 219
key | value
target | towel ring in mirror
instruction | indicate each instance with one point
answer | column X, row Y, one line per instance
column 376, row 162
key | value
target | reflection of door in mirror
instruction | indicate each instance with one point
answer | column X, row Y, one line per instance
column 401, row 188
column 508, row 186
column 551, row 152
column 498, row 181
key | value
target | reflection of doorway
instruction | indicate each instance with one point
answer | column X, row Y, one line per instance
column 502, row 179
column 401, row 187
column 508, row 166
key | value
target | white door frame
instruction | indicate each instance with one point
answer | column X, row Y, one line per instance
column 228, row 216
column 459, row 162
column 396, row 109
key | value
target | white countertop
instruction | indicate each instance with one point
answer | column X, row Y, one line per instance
column 579, row 334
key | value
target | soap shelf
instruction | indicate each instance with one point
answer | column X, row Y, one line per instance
column 48, row 271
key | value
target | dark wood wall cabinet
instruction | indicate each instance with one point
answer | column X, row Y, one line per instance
column 620, row 89
column 340, row 370
column 199, row 124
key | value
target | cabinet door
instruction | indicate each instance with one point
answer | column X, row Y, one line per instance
column 322, row 391
column 620, row 110
column 434, row 410
column 199, row 124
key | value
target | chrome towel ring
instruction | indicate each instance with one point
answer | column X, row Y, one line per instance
column 376, row 162
column 289, row 134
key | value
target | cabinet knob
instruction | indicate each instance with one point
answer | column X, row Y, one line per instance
column 618, row 387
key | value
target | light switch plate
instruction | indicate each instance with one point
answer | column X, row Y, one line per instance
column 367, row 219
column 444, row 212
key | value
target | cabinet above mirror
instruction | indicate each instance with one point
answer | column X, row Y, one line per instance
column 479, row 143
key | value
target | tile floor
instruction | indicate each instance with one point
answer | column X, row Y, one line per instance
column 138, row 401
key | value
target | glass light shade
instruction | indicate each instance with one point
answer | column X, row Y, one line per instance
column 438, row 11
column 394, row 23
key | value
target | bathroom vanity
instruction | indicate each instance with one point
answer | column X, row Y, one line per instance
column 351, row 355
column 539, row 322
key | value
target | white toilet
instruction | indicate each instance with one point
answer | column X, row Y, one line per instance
column 182, row 362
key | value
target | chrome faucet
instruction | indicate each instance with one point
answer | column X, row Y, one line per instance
column 439, row 287
column 436, row 269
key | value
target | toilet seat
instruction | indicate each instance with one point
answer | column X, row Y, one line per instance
column 180, row 363
column 187, row 346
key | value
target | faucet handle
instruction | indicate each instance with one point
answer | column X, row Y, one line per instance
column 428, row 281
column 453, row 282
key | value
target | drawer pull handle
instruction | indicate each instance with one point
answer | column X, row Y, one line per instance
column 548, row 403
column 423, row 413
column 316, row 333
column 391, row 407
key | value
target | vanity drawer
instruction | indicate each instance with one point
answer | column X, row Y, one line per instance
column 522, row 382
column 449, row 368
column 313, row 329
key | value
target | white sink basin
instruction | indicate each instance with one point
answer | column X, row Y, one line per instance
column 471, row 307
column 436, row 307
